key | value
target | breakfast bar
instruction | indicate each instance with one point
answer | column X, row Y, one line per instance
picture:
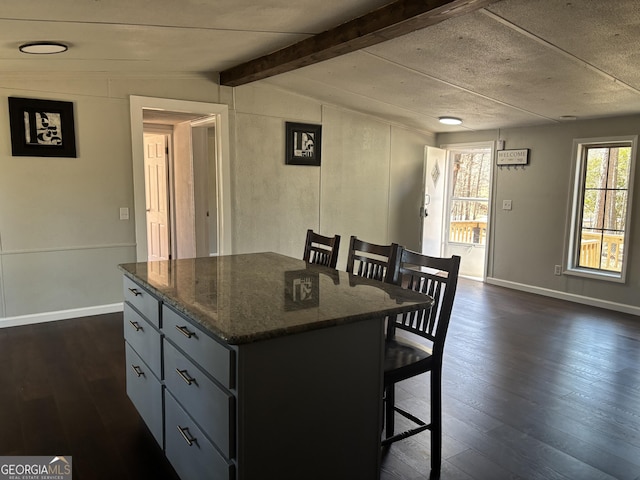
column 258, row 366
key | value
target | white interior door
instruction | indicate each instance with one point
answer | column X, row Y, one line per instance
column 434, row 200
column 157, row 199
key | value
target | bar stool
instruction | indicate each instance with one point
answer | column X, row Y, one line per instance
column 321, row 250
column 404, row 358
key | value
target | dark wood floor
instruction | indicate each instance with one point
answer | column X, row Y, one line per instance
column 63, row 393
column 534, row 388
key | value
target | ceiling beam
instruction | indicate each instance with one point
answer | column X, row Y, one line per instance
column 393, row 20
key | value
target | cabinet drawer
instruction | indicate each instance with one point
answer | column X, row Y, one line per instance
column 216, row 359
column 189, row 451
column 144, row 339
column 145, row 391
column 209, row 404
column 142, row 300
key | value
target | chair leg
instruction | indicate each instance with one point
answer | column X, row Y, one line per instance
column 390, row 401
column 436, row 422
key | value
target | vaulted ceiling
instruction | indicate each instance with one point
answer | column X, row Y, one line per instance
column 509, row 63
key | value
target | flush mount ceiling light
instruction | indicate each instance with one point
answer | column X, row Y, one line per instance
column 450, row 120
column 43, row 48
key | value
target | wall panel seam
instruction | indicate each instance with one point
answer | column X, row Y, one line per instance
column 67, row 249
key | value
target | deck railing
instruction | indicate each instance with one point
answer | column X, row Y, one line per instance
column 594, row 253
column 601, row 251
column 468, row 231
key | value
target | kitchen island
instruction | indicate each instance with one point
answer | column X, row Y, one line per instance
column 259, row 366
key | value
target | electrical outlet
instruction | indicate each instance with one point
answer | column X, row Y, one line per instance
column 557, row 270
column 506, row 204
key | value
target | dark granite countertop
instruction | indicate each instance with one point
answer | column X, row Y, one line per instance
column 251, row 297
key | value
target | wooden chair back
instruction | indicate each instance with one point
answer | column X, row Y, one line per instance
column 433, row 276
column 372, row 261
column 321, row 250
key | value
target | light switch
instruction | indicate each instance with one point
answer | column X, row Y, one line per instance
column 124, row 213
column 506, row 204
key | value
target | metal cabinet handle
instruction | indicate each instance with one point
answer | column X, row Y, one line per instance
column 183, row 330
column 135, row 291
column 184, row 431
column 135, row 325
column 185, row 376
column 136, row 369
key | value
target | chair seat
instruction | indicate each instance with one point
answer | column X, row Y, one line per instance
column 404, row 359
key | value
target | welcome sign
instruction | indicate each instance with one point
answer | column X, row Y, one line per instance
column 513, row 157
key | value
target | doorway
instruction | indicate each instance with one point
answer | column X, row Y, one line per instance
column 456, row 210
column 197, row 182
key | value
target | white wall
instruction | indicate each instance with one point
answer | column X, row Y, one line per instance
column 355, row 181
column 528, row 241
column 61, row 238
column 363, row 186
column 60, row 234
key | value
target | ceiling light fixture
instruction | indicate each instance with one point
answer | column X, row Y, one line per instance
column 450, row 120
column 43, row 48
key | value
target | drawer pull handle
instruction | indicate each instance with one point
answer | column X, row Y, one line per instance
column 135, row 291
column 185, row 332
column 187, row 435
column 135, row 325
column 136, row 369
column 185, row 376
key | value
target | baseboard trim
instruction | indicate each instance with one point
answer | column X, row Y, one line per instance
column 594, row 302
column 60, row 315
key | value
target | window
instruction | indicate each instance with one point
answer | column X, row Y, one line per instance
column 471, row 177
column 601, row 207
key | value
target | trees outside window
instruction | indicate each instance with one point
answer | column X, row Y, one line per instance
column 471, row 177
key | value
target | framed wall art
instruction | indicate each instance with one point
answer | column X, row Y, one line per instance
column 41, row 128
column 304, row 141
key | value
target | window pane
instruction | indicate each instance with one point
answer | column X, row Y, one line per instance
column 615, row 210
column 612, row 251
column 590, row 249
column 590, row 209
column 471, row 175
column 619, row 169
column 468, row 222
column 596, row 168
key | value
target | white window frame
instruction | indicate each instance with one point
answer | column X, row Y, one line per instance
column 572, row 241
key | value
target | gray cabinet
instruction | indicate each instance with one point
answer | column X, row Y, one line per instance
column 192, row 455
column 216, row 358
column 180, row 379
column 145, row 391
column 143, row 338
column 143, row 301
column 210, row 404
column 143, row 355
column 245, row 383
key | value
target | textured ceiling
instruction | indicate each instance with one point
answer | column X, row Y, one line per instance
column 514, row 63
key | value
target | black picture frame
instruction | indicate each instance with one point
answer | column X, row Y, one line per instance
column 303, row 144
column 41, row 128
